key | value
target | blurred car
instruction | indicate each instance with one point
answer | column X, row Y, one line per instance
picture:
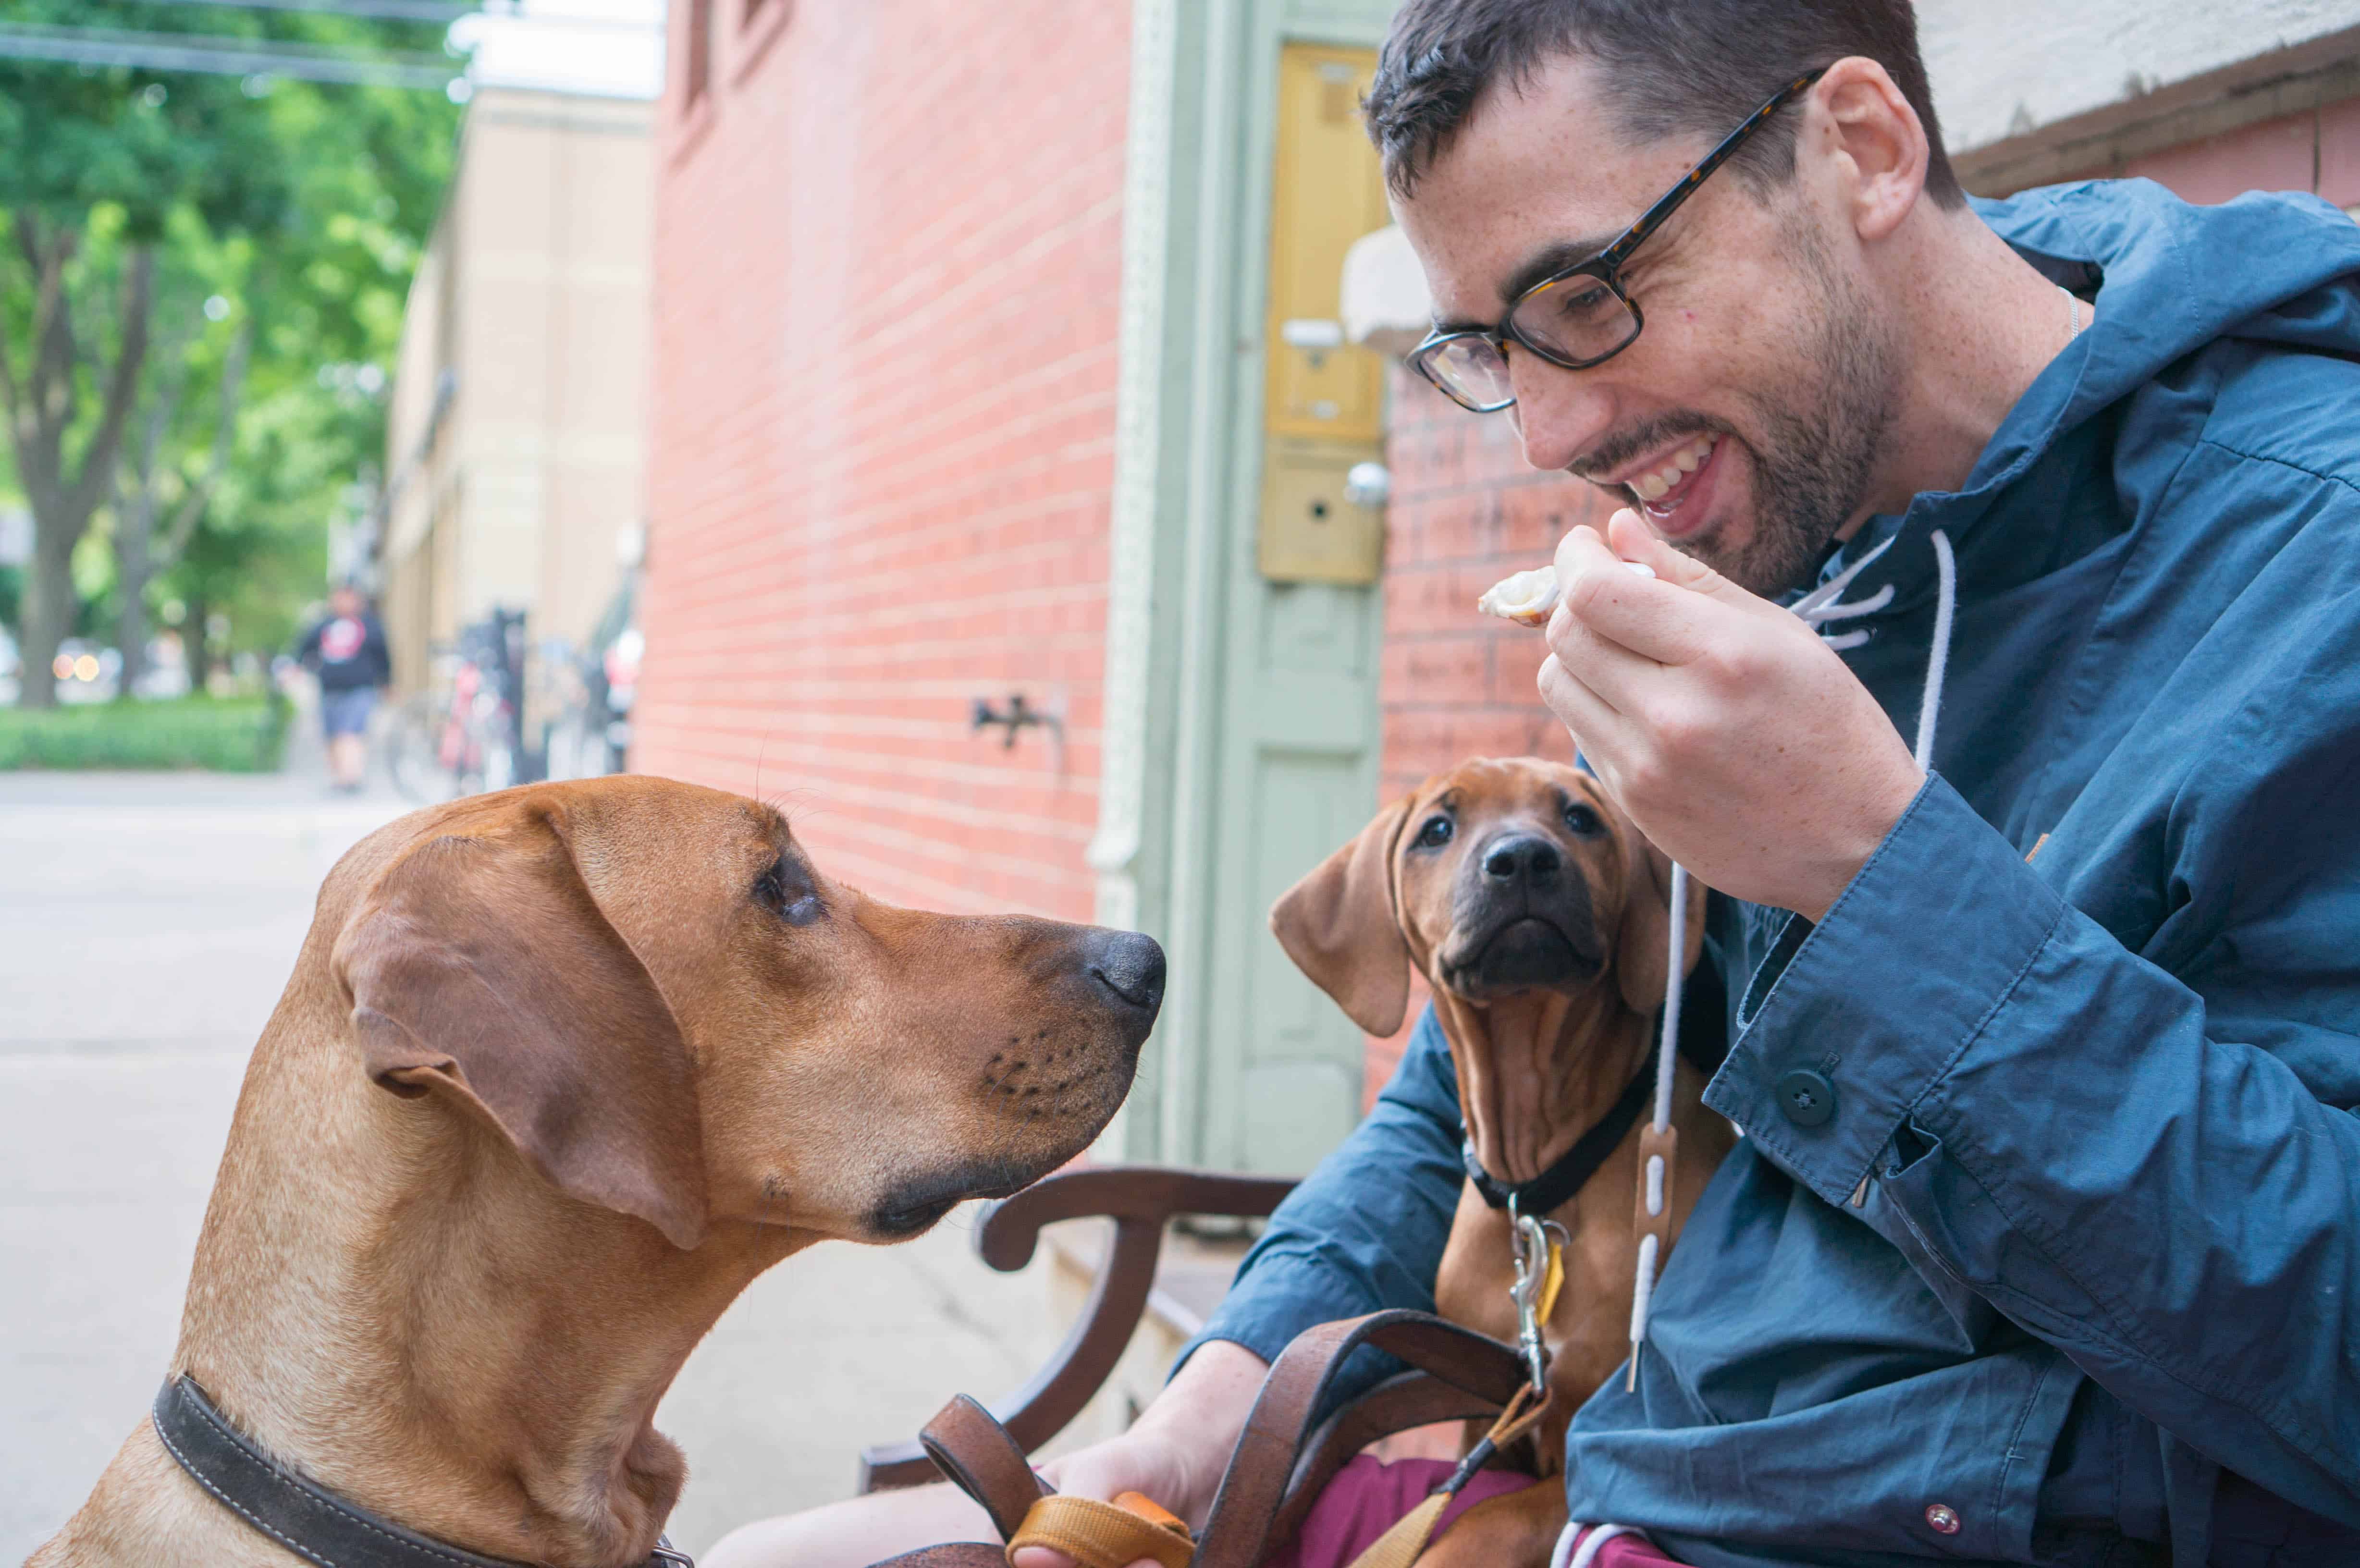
column 87, row 671
column 167, row 671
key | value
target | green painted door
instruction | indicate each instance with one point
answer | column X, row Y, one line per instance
column 1241, row 736
column 1299, row 730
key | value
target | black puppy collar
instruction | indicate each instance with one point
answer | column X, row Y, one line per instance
column 297, row 1512
column 1577, row 1166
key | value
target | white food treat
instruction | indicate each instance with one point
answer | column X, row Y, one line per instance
column 1529, row 596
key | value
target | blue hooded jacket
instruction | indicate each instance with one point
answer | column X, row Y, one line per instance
column 2091, row 1015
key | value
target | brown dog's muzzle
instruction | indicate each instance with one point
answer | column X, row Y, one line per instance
column 1055, row 1052
column 1128, row 968
column 1522, row 917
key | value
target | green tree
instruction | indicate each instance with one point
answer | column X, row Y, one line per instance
column 186, row 248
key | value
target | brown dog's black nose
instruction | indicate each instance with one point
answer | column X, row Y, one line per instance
column 1522, row 857
column 1128, row 964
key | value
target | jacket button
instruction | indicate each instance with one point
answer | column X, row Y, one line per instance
column 1806, row 1098
column 1943, row 1518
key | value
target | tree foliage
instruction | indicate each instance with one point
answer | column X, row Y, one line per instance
column 222, row 256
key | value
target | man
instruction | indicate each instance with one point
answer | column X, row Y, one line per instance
column 346, row 650
column 2043, row 1246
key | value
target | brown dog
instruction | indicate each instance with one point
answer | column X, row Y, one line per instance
column 1541, row 920
column 559, row 1072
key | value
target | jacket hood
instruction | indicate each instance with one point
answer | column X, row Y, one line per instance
column 2170, row 279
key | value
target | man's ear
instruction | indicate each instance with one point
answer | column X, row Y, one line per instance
column 1643, row 947
column 1339, row 926
column 483, row 971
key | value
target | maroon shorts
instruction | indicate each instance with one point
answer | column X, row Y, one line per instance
column 1368, row 1496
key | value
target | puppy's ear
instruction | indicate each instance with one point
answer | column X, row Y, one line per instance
column 1643, row 947
column 1339, row 926
column 483, row 971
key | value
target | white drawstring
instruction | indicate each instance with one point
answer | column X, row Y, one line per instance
column 1665, row 1052
column 1642, row 1286
column 1566, row 1556
column 1938, row 658
column 1818, row 607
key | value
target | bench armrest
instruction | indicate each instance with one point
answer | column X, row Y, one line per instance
column 1140, row 1199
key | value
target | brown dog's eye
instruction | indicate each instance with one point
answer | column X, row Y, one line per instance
column 1437, row 831
column 1582, row 821
column 786, row 890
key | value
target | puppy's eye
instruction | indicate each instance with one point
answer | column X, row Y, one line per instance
column 1582, row 821
column 1436, row 833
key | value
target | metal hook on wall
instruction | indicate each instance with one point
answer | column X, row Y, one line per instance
column 1019, row 714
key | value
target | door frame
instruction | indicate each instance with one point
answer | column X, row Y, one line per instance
column 1200, row 147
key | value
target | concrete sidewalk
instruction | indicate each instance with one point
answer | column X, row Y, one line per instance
column 147, row 925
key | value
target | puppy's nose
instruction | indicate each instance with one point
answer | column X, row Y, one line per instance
column 1521, row 857
column 1127, row 963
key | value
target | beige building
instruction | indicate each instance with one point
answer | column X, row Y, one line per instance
column 514, row 443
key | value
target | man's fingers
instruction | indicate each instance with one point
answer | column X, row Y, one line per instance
column 1628, row 535
column 1625, row 681
column 1657, row 618
column 1039, row 1557
column 1042, row 1557
column 1597, row 728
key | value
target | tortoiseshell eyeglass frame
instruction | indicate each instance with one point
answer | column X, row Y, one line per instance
column 1606, row 266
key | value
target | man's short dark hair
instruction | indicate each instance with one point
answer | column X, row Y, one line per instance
column 1670, row 68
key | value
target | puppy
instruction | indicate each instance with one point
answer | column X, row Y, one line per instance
column 559, row 1072
column 1541, row 921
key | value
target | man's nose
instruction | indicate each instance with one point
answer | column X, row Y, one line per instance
column 1521, row 858
column 1561, row 414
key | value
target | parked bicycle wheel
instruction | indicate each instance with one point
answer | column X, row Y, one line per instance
column 413, row 751
column 576, row 746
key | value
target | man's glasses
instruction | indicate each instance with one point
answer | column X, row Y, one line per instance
column 1579, row 317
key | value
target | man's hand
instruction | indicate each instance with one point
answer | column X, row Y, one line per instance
column 1736, row 740
column 1177, row 1449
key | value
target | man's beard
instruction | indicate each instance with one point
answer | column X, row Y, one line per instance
column 1820, row 442
column 1818, row 436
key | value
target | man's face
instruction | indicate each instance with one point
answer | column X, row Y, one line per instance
column 345, row 602
column 1765, row 379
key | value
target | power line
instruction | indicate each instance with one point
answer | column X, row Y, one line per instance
column 222, row 57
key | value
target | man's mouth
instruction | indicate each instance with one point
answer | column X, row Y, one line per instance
column 1665, row 491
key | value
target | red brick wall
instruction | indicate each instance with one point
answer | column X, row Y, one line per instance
column 888, row 255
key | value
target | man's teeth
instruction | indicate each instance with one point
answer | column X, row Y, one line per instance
column 1685, row 462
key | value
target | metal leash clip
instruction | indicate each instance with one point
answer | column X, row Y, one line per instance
column 1539, row 1271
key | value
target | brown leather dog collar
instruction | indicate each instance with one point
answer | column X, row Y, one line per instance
column 1575, row 1166
column 297, row 1512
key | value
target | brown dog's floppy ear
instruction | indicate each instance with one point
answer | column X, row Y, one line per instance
column 482, row 969
column 1339, row 927
column 1642, row 949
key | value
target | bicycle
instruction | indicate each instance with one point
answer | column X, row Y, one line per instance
column 461, row 736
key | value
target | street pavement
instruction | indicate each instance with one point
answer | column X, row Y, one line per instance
column 148, row 923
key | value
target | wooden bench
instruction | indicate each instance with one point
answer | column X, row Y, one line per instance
column 1136, row 1275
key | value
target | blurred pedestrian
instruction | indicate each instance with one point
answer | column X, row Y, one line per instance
column 347, row 651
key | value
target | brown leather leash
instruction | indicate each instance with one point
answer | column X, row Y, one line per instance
column 1275, row 1471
